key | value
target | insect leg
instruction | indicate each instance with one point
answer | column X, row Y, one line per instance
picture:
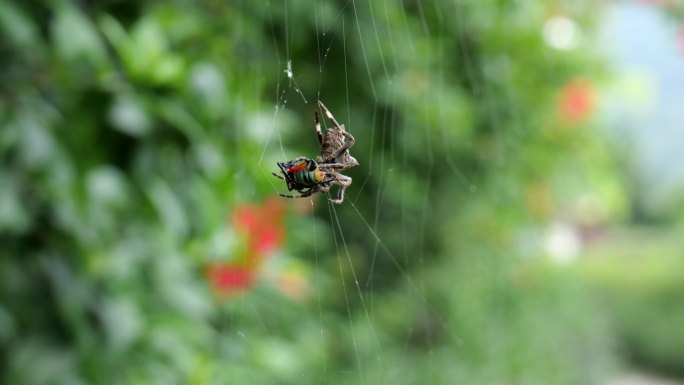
column 304, row 195
column 296, row 196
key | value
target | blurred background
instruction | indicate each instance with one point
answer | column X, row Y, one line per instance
column 516, row 217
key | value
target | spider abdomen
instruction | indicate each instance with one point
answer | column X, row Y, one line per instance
column 333, row 140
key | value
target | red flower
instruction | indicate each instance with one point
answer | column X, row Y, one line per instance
column 576, row 102
column 267, row 240
column 262, row 226
column 227, row 278
column 262, row 231
column 246, row 217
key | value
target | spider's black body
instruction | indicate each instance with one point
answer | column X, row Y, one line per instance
column 308, row 176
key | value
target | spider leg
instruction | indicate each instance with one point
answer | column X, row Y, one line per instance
column 332, row 165
column 347, row 145
column 318, row 128
column 324, row 187
column 278, row 176
column 330, row 115
column 344, row 182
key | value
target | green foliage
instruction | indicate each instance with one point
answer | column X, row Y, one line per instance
column 130, row 131
column 639, row 277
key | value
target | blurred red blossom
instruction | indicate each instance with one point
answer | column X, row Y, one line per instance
column 227, row 278
column 262, row 225
column 576, row 102
column 262, row 231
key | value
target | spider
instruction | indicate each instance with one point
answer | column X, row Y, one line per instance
column 310, row 176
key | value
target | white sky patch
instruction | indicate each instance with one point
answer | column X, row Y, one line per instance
column 646, row 109
column 561, row 33
column 562, row 243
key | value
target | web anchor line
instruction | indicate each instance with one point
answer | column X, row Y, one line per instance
column 456, row 339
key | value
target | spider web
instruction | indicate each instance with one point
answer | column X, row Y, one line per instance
column 334, row 38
